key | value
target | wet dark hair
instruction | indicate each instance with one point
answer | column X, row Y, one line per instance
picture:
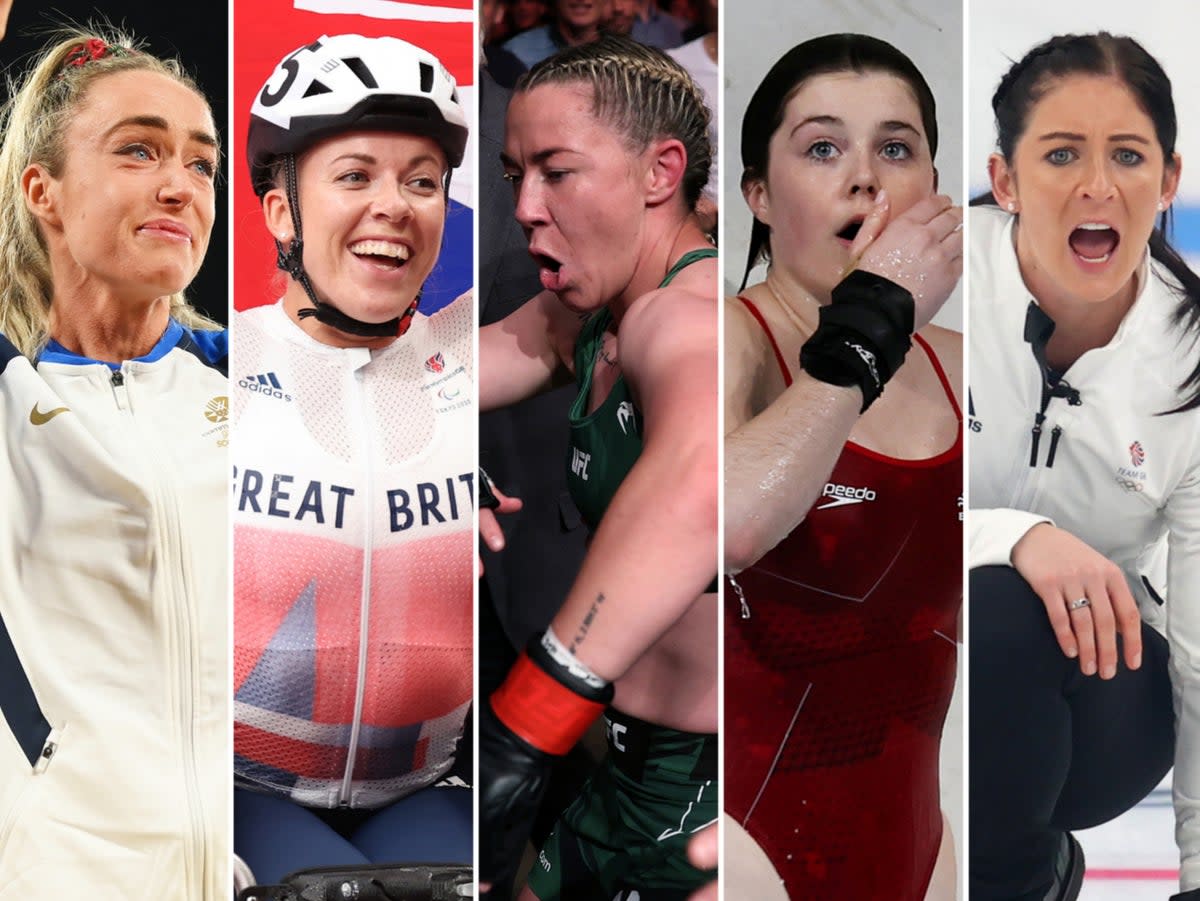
column 820, row 56
column 1104, row 54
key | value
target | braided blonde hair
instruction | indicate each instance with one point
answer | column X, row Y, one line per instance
column 34, row 123
column 642, row 92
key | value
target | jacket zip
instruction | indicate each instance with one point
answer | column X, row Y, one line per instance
column 1055, row 434
column 1038, row 329
column 171, row 544
column 365, row 605
column 41, row 763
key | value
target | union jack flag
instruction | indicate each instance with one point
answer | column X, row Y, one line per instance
column 436, row 363
column 1136, row 454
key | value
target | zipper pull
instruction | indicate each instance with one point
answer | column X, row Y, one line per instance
column 119, row 391
column 737, row 589
column 1037, row 437
column 1055, row 434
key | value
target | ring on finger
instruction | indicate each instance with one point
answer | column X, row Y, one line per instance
column 1080, row 603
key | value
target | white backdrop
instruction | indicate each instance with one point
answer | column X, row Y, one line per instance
column 758, row 32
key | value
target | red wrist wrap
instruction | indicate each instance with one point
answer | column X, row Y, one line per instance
column 541, row 710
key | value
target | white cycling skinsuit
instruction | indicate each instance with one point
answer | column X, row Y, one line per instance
column 354, row 485
column 1106, row 469
column 114, row 774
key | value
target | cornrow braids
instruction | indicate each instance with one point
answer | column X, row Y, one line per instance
column 642, row 92
column 34, row 123
column 1105, row 55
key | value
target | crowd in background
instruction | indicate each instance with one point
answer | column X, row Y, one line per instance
column 516, row 16
column 521, row 33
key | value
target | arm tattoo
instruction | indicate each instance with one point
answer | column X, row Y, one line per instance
column 587, row 623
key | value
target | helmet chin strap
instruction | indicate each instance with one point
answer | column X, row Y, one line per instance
column 291, row 261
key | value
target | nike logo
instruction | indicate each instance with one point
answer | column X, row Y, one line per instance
column 39, row 418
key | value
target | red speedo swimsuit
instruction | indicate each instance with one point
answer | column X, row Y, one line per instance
column 837, row 684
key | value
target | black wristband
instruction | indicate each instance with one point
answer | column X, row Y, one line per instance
column 1192, row 895
column 863, row 334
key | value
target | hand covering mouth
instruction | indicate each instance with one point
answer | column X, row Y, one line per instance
column 386, row 254
column 1094, row 241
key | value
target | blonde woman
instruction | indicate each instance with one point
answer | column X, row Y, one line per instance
column 113, row 769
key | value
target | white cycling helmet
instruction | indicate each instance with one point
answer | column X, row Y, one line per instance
column 347, row 83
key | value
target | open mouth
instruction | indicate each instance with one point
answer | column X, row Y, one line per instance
column 545, row 261
column 549, row 270
column 1094, row 242
column 850, row 232
column 385, row 255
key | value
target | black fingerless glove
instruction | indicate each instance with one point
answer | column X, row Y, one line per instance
column 539, row 713
column 863, row 334
column 512, row 779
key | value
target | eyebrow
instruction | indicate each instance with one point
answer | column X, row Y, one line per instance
column 1072, row 136
column 816, row 120
column 898, row 125
column 890, row 125
column 369, row 160
column 360, row 157
column 160, row 124
column 540, row 157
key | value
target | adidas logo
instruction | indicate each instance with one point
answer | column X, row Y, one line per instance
column 265, row 383
column 841, row 495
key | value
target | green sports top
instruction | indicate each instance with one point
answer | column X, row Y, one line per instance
column 606, row 442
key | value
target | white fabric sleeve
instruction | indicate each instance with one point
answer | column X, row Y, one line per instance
column 1183, row 635
column 994, row 532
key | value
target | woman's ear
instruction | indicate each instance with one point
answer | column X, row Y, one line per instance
column 1004, row 183
column 668, row 164
column 278, row 214
column 1170, row 182
column 39, row 189
column 754, row 191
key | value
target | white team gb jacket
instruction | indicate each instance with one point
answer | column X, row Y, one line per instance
column 1105, row 467
column 114, row 745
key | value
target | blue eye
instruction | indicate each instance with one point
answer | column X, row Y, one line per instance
column 137, row 151
column 895, row 150
column 1127, row 157
column 207, row 168
column 824, row 150
column 1060, row 156
column 355, row 177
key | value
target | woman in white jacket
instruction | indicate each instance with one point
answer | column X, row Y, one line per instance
column 1085, row 465
column 113, row 615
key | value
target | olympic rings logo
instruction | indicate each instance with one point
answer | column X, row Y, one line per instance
column 1130, row 485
